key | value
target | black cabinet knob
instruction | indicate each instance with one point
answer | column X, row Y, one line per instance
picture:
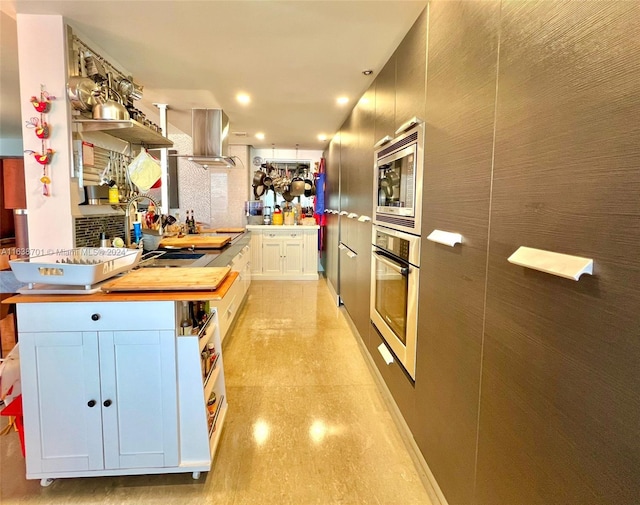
column 95, row 317
column 107, row 403
column 91, row 403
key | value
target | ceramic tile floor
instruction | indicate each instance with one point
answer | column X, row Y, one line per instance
column 306, row 422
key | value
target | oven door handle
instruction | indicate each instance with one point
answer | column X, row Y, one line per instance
column 391, row 264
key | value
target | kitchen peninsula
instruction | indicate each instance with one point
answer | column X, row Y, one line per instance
column 110, row 386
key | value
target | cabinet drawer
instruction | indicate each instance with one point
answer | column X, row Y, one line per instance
column 282, row 234
column 93, row 316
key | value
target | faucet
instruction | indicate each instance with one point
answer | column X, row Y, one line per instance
column 127, row 214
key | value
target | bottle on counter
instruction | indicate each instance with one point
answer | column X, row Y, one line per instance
column 186, row 326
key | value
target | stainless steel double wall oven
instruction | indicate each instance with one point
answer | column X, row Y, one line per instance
column 395, row 271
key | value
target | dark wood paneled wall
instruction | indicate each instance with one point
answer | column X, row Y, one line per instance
column 460, row 108
column 527, row 384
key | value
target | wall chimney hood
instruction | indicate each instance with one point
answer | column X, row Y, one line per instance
column 210, row 135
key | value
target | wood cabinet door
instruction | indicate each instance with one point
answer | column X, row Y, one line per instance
column 411, row 67
column 559, row 409
column 61, row 401
column 456, row 195
column 385, row 116
column 138, row 398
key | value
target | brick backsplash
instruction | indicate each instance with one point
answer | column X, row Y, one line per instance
column 87, row 229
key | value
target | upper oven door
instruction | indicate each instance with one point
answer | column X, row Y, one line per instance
column 398, row 187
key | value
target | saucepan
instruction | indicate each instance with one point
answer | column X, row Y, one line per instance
column 80, row 92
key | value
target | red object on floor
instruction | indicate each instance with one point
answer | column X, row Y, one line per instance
column 15, row 409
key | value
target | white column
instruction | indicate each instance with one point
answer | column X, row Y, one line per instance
column 42, row 61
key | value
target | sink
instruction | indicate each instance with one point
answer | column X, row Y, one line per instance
column 169, row 259
column 179, row 255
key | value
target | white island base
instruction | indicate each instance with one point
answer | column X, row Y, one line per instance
column 110, row 388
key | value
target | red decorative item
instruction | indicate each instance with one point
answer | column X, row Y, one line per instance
column 43, row 131
column 41, row 106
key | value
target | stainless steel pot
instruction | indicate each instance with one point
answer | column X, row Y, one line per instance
column 109, row 109
column 80, row 91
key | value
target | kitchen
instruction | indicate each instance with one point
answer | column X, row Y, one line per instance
column 525, row 382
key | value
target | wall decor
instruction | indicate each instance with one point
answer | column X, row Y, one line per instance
column 42, row 130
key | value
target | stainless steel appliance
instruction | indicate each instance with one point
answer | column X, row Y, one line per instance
column 398, row 171
column 394, row 292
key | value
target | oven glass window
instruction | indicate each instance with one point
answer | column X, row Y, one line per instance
column 391, row 298
column 396, row 183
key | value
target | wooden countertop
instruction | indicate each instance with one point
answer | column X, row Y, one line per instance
column 137, row 296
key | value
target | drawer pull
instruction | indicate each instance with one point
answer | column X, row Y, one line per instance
column 445, row 237
column 562, row 265
column 95, row 317
column 386, row 355
column 364, row 219
column 91, row 403
column 107, row 403
column 352, row 215
column 343, row 213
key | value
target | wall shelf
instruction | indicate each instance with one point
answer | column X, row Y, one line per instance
column 128, row 130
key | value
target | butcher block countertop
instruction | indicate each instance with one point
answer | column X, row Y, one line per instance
column 132, row 296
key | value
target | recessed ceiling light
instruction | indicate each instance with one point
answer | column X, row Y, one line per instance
column 243, row 98
column 367, row 72
column 322, row 137
column 260, row 135
column 343, row 100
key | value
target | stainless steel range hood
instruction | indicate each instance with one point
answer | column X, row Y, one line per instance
column 210, row 135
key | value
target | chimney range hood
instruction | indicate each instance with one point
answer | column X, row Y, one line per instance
column 210, row 135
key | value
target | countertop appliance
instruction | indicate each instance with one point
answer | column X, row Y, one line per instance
column 398, row 171
column 394, row 292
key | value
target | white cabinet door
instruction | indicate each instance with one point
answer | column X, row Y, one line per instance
column 271, row 257
column 256, row 252
column 95, row 401
column 139, row 404
column 61, row 401
column 310, row 252
column 293, row 253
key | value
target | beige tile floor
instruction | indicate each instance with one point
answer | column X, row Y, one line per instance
column 306, row 422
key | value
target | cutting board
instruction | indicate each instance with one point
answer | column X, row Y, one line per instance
column 230, row 230
column 169, row 279
column 197, row 241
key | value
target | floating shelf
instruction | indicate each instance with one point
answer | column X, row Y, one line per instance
column 561, row 265
column 128, row 130
column 445, row 237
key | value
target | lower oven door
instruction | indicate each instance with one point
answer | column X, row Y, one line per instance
column 393, row 308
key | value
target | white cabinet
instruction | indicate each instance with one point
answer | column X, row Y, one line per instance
column 96, row 395
column 229, row 306
column 284, row 252
column 109, row 388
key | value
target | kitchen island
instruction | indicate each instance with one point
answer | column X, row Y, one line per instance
column 110, row 386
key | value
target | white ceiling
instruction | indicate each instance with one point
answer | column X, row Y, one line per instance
column 294, row 58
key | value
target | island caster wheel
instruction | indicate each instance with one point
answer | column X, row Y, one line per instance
column 195, row 475
column 46, row 482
